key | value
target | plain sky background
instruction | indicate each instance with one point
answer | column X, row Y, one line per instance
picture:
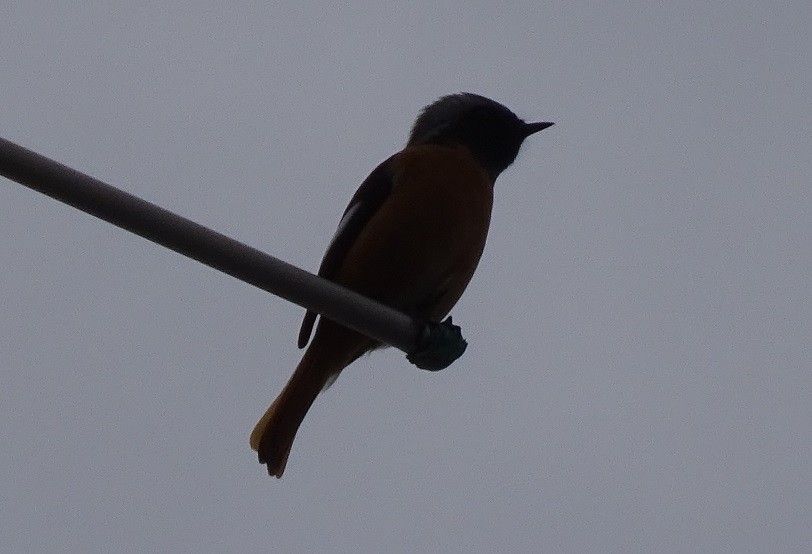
column 638, row 375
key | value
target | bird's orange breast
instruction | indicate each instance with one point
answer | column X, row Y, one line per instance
column 420, row 249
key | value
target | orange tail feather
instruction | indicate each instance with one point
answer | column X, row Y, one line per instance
column 273, row 435
column 333, row 348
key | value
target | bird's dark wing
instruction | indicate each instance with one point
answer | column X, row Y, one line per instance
column 365, row 202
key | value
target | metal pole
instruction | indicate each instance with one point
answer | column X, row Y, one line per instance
column 211, row 248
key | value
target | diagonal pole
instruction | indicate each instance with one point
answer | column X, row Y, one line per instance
column 212, row 248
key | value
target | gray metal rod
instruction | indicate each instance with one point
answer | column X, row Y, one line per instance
column 209, row 247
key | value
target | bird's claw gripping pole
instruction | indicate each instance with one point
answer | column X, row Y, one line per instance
column 438, row 346
column 431, row 346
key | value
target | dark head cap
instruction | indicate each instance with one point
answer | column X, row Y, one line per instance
column 491, row 131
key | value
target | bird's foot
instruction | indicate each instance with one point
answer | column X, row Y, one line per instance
column 440, row 345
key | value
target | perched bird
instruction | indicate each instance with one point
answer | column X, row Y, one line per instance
column 410, row 238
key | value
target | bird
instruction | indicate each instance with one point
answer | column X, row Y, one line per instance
column 411, row 238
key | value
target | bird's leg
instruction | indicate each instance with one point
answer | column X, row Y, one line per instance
column 440, row 345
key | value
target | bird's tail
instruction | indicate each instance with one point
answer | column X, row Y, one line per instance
column 332, row 350
column 273, row 434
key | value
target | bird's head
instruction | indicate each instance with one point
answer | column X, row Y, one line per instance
column 491, row 131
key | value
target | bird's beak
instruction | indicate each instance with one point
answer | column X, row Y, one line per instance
column 530, row 128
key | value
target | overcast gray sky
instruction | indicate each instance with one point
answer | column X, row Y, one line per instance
column 638, row 375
